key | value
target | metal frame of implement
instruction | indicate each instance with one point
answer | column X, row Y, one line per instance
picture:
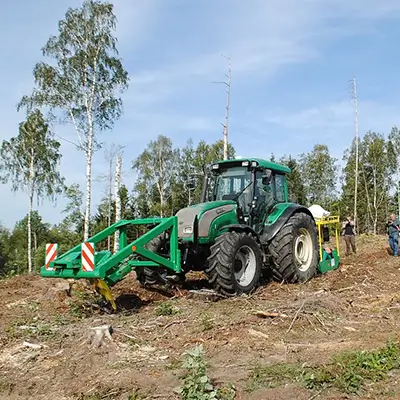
column 105, row 269
column 83, row 262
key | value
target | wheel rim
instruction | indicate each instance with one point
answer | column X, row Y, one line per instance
column 245, row 265
column 303, row 249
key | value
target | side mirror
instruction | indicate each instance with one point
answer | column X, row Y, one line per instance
column 191, row 184
column 266, row 178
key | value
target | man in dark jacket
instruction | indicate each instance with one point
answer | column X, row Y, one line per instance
column 392, row 228
column 349, row 235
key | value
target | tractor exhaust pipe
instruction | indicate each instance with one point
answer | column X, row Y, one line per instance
column 205, row 188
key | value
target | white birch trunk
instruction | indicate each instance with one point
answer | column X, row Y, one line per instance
column 109, row 200
column 118, row 175
column 398, row 192
column 89, row 155
column 30, row 232
column 31, row 193
column 375, row 203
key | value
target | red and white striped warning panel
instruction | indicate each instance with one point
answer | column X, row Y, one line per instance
column 87, row 257
column 51, row 254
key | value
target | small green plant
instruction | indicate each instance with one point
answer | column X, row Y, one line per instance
column 135, row 395
column 206, row 322
column 196, row 384
column 166, row 308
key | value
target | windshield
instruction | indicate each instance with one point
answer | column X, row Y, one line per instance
column 229, row 184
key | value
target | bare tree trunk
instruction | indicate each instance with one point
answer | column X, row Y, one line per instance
column 89, row 155
column 398, row 194
column 375, row 203
column 30, row 231
column 369, row 211
column 31, row 194
column 109, row 201
column 118, row 175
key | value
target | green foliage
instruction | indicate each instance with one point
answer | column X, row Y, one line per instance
column 377, row 165
column 196, row 384
column 157, row 167
column 348, row 372
column 319, row 171
column 166, row 308
column 74, row 208
column 30, row 160
column 297, row 191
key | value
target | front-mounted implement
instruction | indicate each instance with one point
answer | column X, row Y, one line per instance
column 103, row 268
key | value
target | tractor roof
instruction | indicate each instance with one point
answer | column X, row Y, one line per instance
column 262, row 163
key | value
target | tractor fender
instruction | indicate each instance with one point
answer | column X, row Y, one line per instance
column 272, row 230
column 241, row 228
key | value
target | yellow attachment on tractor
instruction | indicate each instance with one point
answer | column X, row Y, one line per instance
column 103, row 289
column 330, row 261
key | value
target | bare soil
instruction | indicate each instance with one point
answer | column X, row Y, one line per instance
column 354, row 307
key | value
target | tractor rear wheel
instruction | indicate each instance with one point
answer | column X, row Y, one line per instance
column 294, row 250
column 235, row 264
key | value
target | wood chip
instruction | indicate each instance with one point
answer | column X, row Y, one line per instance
column 258, row 334
column 263, row 314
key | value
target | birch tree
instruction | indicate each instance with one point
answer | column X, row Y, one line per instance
column 29, row 162
column 118, row 207
column 376, row 176
column 319, row 171
column 82, row 84
column 157, row 166
column 394, row 160
column 74, row 209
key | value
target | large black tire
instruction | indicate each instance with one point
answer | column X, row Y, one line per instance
column 294, row 250
column 228, row 255
column 150, row 276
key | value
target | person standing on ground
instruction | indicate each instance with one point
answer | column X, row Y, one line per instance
column 349, row 235
column 392, row 227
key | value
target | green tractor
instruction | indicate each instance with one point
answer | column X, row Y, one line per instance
column 245, row 228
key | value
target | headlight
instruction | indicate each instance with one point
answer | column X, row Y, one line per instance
column 188, row 229
column 215, row 166
column 245, row 164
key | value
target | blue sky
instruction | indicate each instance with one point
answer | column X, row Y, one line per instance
column 291, row 65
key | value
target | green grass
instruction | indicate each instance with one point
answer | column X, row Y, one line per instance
column 347, row 372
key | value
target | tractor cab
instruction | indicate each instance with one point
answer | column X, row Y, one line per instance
column 256, row 186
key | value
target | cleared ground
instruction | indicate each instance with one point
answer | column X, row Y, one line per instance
column 275, row 344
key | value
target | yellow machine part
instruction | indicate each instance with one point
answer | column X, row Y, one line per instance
column 331, row 220
column 103, row 289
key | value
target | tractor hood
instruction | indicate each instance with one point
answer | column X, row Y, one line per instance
column 206, row 213
column 202, row 207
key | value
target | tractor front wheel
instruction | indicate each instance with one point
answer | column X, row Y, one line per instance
column 235, row 264
column 294, row 250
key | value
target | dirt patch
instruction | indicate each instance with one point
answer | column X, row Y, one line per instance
column 46, row 335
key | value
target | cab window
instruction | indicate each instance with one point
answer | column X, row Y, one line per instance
column 280, row 188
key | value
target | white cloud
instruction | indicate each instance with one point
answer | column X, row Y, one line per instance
column 338, row 116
